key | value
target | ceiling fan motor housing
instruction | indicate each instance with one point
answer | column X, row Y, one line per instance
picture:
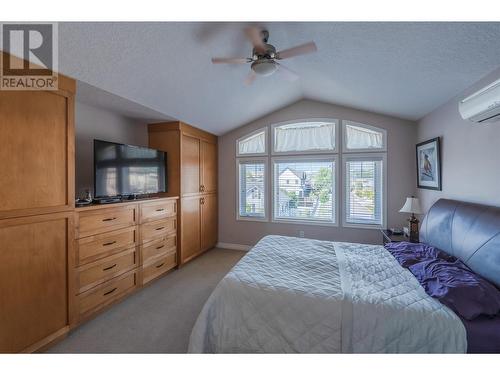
column 264, row 67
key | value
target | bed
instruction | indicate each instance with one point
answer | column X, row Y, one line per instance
column 291, row 295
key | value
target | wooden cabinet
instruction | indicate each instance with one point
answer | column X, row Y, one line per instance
column 120, row 247
column 190, row 168
column 192, row 174
column 36, row 215
column 199, row 166
column 37, row 152
column 199, row 225
column 208, row 221
column 190, row 228
column 33, row 279
column 208, row 167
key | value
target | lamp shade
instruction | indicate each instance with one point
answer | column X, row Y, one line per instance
column 412, row 205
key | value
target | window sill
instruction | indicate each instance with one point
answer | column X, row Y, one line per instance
column 252, row 218
column 363, row 226
column 304, row 222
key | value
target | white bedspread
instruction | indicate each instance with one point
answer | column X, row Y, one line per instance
column 297, row 295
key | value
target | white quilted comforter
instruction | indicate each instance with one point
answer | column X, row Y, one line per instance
column 292, row 295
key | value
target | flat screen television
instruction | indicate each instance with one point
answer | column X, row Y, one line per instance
column 124, row 170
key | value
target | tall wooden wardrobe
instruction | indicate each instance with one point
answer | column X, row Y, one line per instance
column 36, row 215
column 192, row 175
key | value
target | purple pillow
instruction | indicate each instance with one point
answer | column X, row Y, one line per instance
column 457, row 287
column 409, row 253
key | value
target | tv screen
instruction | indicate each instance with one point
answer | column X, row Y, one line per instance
column 127, row 170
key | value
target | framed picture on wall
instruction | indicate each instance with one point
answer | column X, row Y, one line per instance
column 429, row 164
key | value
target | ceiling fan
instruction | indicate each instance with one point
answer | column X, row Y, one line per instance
column 264, row 60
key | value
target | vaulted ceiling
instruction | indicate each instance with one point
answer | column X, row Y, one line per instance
column 400, row 69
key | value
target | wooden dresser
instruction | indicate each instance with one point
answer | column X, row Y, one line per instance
column 192, row 166
column 119, row 248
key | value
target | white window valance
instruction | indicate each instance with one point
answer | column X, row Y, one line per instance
column 363, row 137
column 253, row 144
column 308, row 136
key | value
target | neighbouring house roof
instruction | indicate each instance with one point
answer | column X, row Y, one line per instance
column 296, row 173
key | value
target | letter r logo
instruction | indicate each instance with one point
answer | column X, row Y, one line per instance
column 33, row 44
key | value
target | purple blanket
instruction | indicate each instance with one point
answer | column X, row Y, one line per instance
column 471, row 297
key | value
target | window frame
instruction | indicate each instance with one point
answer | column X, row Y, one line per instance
column 257, row 160
column 266, row 143
column 362, row 150
column 337, row 123
column 372, row 156
column 301, row 158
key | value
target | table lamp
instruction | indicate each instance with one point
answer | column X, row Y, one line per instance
column 412, row 206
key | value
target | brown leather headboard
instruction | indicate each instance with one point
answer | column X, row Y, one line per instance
column 468, row 231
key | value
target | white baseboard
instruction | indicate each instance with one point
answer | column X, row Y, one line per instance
column 233, row 246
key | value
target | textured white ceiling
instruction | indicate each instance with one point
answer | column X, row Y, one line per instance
column 401, row 69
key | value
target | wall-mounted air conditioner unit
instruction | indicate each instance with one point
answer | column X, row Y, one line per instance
column 482, row 106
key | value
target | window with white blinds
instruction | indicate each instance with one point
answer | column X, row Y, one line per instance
column 253, row 144
column 312, row 177
column 252, row 189
column 364, row 190
column 304, row 137
column 304, row 190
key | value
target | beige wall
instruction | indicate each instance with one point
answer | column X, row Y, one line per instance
column 97, row 123
column 401, row 136
column 470, row 153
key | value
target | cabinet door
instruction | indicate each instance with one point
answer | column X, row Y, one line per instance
column 36, row 145
column 190, row 227
column 33, row 279
column 208, row 221
column 209, row 167
column 190, row 160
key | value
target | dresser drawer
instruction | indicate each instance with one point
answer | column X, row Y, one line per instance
column 156, row 248
column 105, row 269
column 101, row 245
column 158, row 229
column 152, row 211
column 106, row 293
column 159, row 267
column 104, row 220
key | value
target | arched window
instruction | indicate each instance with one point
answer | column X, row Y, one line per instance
column 254, row 143
column 304, row 137
column 359, row 137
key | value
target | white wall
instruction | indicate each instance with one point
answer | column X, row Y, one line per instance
column 401, row 136
column 470, row 153
column 97, row 123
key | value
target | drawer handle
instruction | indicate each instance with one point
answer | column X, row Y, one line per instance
column 110, row 267
column 160, row 209
column 109, row 219
column 111, row 291
column 109, row 243
column 160, row 228
column 160, row 265
column 159, row 247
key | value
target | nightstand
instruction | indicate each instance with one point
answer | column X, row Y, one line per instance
column 387, row 236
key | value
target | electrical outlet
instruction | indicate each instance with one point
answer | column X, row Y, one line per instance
column 301, row 233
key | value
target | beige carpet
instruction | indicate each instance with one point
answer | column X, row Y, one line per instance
column 157, row 319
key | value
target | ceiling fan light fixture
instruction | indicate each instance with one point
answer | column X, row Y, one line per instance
column 264, row 67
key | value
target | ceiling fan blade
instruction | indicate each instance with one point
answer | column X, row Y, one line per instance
column 229, row 60
column 287, row 73
column 296, row 51
column 254, row 34
column 250, row 78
